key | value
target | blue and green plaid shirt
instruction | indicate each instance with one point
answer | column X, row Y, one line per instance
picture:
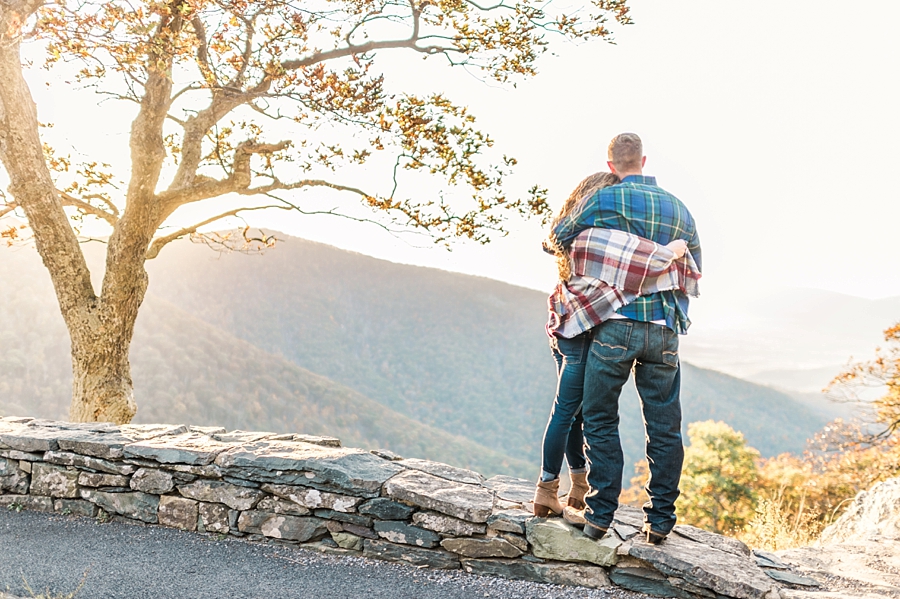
column 637, row 205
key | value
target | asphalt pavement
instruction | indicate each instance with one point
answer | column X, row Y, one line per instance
column 115, row 560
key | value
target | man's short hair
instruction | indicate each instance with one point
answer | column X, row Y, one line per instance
column 626, row 152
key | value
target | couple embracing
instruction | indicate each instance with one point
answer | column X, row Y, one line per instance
column 629, row 258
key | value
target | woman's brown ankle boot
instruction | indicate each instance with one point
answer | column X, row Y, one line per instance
column 579, row 489
column 546, row 499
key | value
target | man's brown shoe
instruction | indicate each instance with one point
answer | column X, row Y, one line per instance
column 654, row 537
column 595, row 532
column 576, row 518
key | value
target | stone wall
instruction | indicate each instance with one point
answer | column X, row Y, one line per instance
column 311, row 492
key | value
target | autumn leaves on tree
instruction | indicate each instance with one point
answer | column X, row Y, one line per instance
column 216, row 85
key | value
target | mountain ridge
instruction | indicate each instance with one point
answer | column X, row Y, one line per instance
column 458, row 355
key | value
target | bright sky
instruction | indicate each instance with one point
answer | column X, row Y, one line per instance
column 776, row 122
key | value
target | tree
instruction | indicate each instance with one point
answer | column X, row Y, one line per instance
column 811, row 490
column 883, row 372
column 215, row 83
column 718, row 478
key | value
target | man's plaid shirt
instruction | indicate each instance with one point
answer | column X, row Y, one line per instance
column 637, row 205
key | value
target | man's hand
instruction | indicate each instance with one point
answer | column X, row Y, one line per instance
column 679, row 246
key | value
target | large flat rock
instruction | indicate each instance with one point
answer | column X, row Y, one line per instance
column 447, row 524
column 473, row 503
column 178, row 512
column 510, row 488
column 313, row 498
column 416, row 556
column 722, row 572
column 137, row 505
column 871, row 564
column 351, row 471
column 480, row 548
column 151, row 480
column 459, row 475
column 216, row 491
column 65, row 458
column 385, row 509
column 711, row 539
column 556, row 539
column 400, row 532
column 22, row 437
column 54, row 481
column 640, row 577
column 195, row 449
column 110, row 442
column 510, row 520
column 582, row 575
column 279, row 526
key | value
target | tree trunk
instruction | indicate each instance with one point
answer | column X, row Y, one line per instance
column 102, row 390
column 100, row 328
column 101, row 387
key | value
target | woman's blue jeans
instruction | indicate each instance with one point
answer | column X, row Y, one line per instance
column 563, row 435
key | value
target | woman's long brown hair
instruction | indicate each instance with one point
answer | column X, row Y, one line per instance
column 585, row 189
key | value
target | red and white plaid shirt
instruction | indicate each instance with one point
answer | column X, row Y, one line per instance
column 611, row 269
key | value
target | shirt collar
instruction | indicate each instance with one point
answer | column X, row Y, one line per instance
column 641, row 179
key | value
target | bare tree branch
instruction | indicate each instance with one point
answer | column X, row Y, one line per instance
column 196, row 129
column 137, row 101
column 70, row 200
column 279, row 186
column 202, row 52
column 231, row 95
column 7, row 209
column 335, row 212
column 250, row 30
column 358, row 49
column 205, row 188
column 160, row 242
column 146, row 142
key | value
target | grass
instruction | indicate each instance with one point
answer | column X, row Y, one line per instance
column 773, row 528
column 46, row 594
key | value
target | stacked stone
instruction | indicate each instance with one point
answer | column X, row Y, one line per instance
column 309, row 491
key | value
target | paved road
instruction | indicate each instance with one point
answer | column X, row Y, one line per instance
column 126, row 561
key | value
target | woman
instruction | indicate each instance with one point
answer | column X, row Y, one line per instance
column 563, row 435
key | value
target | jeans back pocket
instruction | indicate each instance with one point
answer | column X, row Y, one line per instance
column 670, row 351
column 611, row 339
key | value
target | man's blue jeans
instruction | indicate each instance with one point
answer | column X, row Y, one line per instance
column 652, row 351
column 563, row 433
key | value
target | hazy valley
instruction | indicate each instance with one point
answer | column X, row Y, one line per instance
column 310, row 338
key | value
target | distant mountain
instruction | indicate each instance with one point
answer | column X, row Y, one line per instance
column 187, row 371
column 464, row 354
column 805, row 380
column 421, row 361
column 793, row 338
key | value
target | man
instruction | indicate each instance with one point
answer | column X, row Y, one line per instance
column 643, row 337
